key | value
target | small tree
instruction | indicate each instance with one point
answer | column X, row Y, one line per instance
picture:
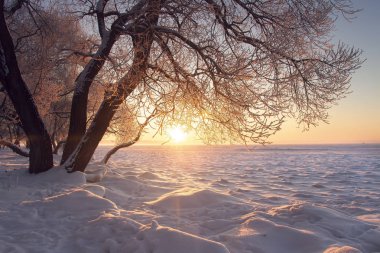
column 228, row 69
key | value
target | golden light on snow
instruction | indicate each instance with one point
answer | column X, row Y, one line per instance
column 177, row 134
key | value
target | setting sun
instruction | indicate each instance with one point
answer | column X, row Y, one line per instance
column 177, row 134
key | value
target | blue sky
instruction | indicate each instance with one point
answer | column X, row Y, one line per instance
column 356, row 119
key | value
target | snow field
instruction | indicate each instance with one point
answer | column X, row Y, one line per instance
column 137, row 209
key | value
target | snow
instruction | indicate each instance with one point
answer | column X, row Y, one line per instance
column 169, row 240
column 192, row 198
column 197, row 200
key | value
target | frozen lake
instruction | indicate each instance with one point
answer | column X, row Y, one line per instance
column 343, row 177
column 198, row 199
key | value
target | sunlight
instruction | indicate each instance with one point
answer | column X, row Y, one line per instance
column 177, row 134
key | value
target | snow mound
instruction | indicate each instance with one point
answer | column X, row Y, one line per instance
column 149, row 175
column 77, row 203
column 51, row 224
column 192, row 198
column 261, row 235
column 107, row 233
column 131, row 185
column 331, row 223
column 337, row 223
column 162, row 239
column 345, row 249
column 56, row 177
column 95, row 172
column 19, row 185
column 60, row 175
column 121, row 234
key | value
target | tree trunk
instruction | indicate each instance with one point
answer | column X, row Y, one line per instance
column 142, row 42
column 78, row 115
column 41, row 157
column 86, row 148
column 14, row 148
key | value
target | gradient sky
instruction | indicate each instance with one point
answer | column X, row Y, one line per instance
column 356, row 119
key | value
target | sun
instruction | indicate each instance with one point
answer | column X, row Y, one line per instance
column 177, row 134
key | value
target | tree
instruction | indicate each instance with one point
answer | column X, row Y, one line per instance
column 230, row 70
column 40, row 155
column 48, row 64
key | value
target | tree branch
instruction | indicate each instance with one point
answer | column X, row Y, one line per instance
column 129, row 143
column 14, row 148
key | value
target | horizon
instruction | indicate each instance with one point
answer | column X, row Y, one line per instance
column 168, row 144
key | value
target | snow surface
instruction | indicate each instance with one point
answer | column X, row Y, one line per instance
column 284, row 199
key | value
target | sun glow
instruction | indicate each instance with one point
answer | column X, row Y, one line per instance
column 177, row 134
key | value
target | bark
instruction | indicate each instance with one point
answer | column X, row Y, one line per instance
column 78, row 115
column 41, row 157
column 10, row 133
column 14, row 148
column 54, row 146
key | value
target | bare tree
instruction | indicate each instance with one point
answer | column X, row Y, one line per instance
column 45, row 42
column 40, row 156
column 108, row 37
column 230, row 70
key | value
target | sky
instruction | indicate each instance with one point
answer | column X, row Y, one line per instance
column 355, row 119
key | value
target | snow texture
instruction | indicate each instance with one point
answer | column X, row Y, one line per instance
column 197, row 200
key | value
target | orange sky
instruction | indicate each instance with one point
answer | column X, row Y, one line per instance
column 356, row 119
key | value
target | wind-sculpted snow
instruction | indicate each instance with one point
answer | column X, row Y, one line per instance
column 193, row 198
column 322, row 199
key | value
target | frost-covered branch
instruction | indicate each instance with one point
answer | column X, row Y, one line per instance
column 131, row 142
column 14, row 148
